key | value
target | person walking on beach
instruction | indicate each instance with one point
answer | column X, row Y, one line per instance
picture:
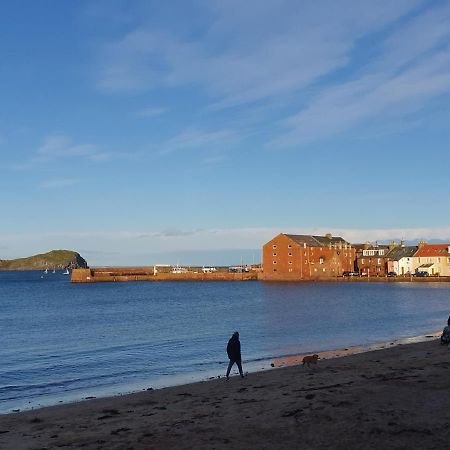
column 234, row 354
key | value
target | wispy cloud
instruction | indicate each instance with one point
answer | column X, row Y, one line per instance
column 151, row 112
column 61, row 146
column 193, row 138
column 307, row 53
column 268, row 49
column 137, row 246
column 59, row 183
column 408, row 73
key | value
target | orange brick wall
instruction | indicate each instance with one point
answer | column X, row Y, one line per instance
column 291, row 261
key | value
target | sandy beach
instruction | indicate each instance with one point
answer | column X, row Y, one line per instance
column 392, row 398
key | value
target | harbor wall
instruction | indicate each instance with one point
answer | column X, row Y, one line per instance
column 118, row 274
column 96, row 275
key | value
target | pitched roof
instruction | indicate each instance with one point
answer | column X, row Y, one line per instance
column 398, row 253
column 433, row 250
column 316, row 241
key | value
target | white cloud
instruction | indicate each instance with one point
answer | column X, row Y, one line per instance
column 268, row 49
column 137, row 247
column 413, row 68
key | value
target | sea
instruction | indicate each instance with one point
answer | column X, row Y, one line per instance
column 63, row 342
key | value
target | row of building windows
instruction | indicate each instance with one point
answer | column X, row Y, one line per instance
column 340, row 246
column 290, row 270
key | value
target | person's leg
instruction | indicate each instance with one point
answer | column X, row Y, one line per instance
column 230, row 365
column 239, row 364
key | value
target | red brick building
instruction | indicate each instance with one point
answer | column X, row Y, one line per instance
column 304, row 257
column 371, row 259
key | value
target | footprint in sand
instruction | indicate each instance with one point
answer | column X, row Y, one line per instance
column 120, row 430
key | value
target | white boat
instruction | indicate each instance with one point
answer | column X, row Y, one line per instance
column 178, row 269
column 66, row 272
column 46, row 271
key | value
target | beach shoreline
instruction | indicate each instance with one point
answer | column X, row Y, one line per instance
column 381, row 396
column 189, row 378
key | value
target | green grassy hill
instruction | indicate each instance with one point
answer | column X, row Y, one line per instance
column 55, row 259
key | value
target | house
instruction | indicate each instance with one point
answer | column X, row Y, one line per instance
column 371, row 259
column 306, row 257
column 433, row 259
column 400, row 259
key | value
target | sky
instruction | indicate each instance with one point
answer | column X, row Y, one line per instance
column 193, row 131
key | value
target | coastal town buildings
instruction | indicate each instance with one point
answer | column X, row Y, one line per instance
column 306, row 257
column 371, row 259
column 399, row 260
column 433, row 259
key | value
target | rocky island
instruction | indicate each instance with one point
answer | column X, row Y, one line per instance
column 55, row 259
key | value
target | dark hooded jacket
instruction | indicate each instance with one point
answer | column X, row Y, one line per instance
column 234, row 348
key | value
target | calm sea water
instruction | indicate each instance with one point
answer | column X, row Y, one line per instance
column 61, row 342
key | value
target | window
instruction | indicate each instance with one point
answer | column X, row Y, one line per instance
column 321, row 260
column 290, row 270
column 379, row 261
column 274, row 254
column 290, row 262
column 289, row 254
column 274, row 270
column 323, row 269
column 289, row 245
column 274, row 246
column 274, row 262
column 362, row 261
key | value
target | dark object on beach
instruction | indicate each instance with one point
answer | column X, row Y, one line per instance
column 445, row 337
column 272, row 365
column 234, row 354
column 310, row 359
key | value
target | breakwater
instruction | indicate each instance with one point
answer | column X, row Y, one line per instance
column 118, row 274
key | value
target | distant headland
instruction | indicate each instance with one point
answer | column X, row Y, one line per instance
column 55, row 259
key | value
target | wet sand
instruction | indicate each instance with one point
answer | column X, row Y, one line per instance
column 392, row 398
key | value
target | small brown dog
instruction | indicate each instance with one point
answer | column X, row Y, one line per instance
column 310, row 359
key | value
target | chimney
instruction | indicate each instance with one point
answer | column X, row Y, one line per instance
column 329, row 235
column 421, row 243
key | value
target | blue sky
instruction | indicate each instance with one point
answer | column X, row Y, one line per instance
column 193, row 131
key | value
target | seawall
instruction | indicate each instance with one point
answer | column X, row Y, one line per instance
column 117, row 274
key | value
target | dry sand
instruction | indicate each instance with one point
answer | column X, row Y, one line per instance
column 393, row 398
